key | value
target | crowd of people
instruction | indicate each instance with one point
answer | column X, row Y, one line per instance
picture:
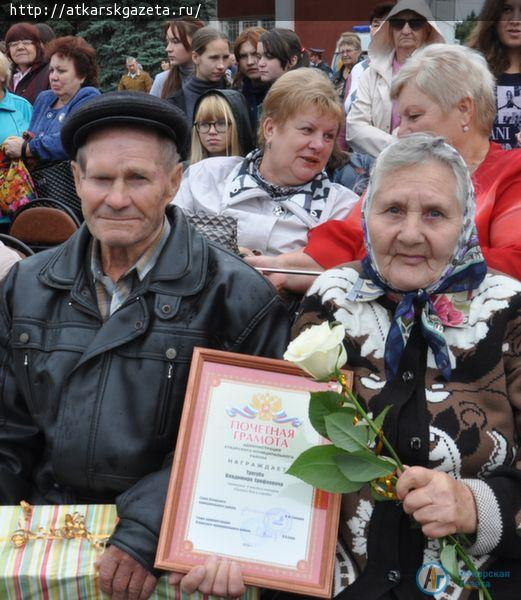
column 382, row 194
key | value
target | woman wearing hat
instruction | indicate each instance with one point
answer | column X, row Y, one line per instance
column 373, row 115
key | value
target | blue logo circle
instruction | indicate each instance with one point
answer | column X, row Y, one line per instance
column 432, row 578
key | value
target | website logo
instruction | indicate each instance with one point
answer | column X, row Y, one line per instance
column 432, row 578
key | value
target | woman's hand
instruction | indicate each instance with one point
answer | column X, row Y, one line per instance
column 219, row 577
column 13, row 146
column 441, row 504
column 285, row 282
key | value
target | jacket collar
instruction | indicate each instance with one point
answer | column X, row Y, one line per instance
column 180, row 269
column 8, row 102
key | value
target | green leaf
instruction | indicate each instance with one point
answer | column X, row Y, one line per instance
column 364, row 466
column 379, row 421
column 322, row 404
column 317, row 467
column 449, row 562
column 344, row 434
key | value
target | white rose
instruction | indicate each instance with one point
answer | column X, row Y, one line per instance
column 318, row 350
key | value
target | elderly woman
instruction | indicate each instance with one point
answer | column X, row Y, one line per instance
column 73, row 73
column 433, row 333
column 444, row 90
column 279, row 191
column 373, row 116
column 30, row 74
column 15, row 111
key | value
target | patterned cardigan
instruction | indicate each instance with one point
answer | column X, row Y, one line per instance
column 468, row 427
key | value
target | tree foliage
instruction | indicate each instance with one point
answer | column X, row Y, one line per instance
column 115, row 39
column 465, row 27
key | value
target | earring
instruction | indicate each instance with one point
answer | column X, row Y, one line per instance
column 268, row 145
column 465, row 128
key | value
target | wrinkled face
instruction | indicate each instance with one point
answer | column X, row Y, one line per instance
column 349, row 54
column 176, row 52
column 409, row 38
column 125, row 188
column 131, row 66
column 414, row 224
column 23, row 52
column 248, row 60
column 212, row 63
column 63, row 78
column 270, row 68
column 420, row 114
column 297, row 150
column 216, row 139
column 509, row 26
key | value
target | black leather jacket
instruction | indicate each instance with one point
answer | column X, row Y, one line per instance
column 89, row 410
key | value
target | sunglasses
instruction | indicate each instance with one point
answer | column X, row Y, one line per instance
column 414, row 24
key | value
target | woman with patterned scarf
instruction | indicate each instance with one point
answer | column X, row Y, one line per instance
column 435, row 334
column 279, row 191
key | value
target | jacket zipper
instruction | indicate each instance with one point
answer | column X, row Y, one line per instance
column 165, row 399
column 28, row 382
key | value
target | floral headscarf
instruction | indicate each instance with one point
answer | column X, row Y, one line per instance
column 444, row 303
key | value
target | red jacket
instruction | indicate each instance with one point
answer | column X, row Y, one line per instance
column 34, row 82
column 497, row 183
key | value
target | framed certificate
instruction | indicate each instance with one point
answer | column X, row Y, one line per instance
column 245, row 420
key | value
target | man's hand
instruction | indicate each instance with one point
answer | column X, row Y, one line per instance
column 122, row 577
column 217, row 577
column 441, row 504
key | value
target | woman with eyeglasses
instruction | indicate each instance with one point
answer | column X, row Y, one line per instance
column 30, row 71
column 278, row 192
column 221, row 126
column 373, row 116
column 497, row 35
column 349, row 49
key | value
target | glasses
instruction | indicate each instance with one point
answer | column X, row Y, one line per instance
column 221, row 126
column 24, row 43
column 414, row 24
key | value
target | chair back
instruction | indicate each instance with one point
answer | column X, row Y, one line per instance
column 44, row 223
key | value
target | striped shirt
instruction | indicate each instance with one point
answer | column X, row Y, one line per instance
column 110, row 296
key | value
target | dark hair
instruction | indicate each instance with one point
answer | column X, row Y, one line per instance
column 25, row 31
column 185, row 28
column 380, row 11
column 283, row 44
column 82, row 55
column 46, row 33
column 485, row 38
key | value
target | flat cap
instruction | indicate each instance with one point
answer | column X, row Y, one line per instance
column 123, row 108
column 316, row 50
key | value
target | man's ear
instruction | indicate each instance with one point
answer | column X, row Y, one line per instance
column 175, row 177
column 76, row 171
column 195, row 58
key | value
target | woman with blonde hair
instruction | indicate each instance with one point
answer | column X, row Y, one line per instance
column 280, row 190
column 221, row 126
column 497, row 35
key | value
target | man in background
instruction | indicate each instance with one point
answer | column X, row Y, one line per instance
column 135, row 80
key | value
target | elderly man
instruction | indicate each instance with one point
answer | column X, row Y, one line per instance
column 96, row 335
column 135, row 80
